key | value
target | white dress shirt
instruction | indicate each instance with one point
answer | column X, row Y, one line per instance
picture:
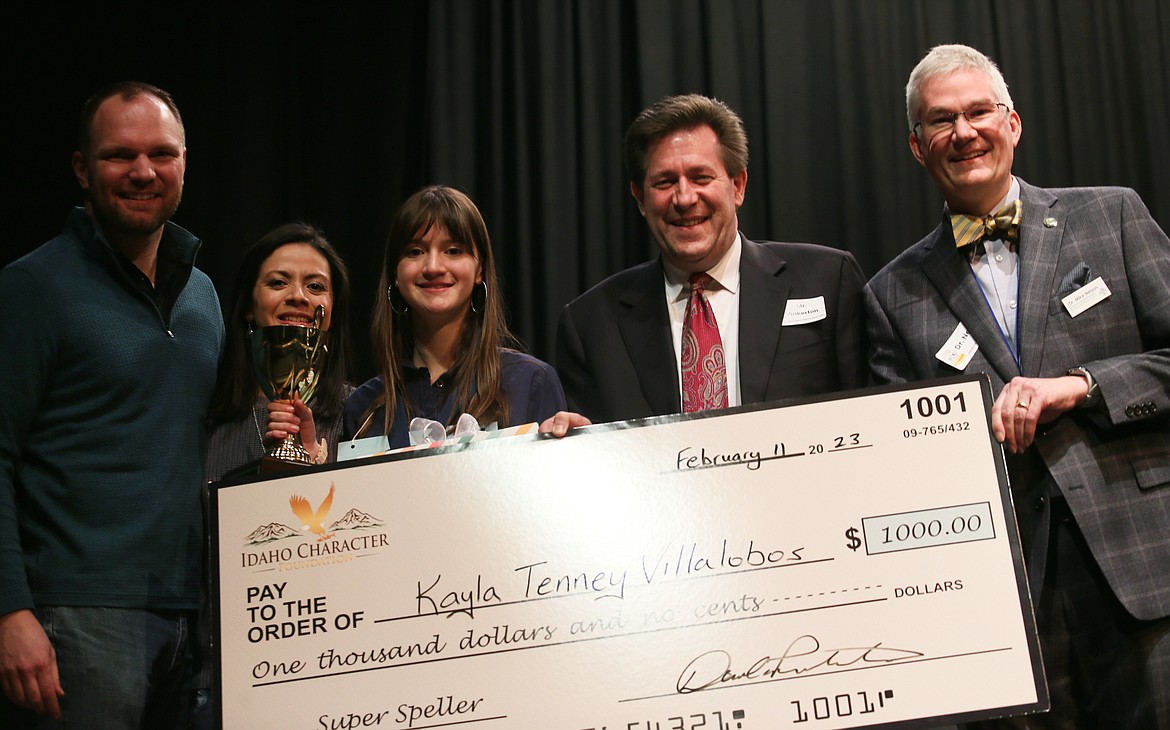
column 998, row 274
column 723, row 295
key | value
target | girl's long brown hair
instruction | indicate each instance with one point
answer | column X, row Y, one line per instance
column 485, row 330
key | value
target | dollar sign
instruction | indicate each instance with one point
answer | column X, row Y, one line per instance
column 851, row 540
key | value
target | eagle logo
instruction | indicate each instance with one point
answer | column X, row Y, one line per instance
column 311, row 520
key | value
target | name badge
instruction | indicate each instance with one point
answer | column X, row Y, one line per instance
column 959, row 348
column 803, row 311
column 1088, row 295
column 361, row 448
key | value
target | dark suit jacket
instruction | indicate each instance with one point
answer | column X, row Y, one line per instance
column 1111, row 464
column 616, row 359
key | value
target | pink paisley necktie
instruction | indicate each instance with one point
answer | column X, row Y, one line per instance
column 704, row 373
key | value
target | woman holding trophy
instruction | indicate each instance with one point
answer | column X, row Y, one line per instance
column 291, row 277
column 284, row 280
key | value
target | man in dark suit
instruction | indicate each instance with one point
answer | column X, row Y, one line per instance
column 789, row 314
column 1064, row 302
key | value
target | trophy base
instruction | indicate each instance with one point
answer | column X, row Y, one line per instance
column 288, row 455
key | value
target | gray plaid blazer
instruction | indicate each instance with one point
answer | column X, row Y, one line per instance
column 1111, row 464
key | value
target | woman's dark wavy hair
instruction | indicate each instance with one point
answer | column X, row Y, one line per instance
column 485, row 329
column 236, row 386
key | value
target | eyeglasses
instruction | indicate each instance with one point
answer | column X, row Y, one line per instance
column 979, row 116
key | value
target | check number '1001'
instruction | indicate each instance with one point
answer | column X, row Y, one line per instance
column 940, row 405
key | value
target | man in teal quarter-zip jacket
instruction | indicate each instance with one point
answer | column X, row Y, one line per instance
column 111, row 339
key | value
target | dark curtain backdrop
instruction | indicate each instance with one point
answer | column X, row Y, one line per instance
column 334, row 113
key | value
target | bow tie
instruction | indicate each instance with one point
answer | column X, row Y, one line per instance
column 971, row 231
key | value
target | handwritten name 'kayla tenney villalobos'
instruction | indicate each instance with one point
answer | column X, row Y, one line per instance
column 436, row 596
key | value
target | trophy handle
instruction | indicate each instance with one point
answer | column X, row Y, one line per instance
column 318, row 318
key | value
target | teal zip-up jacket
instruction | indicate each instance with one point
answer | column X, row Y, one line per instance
column 102, row 406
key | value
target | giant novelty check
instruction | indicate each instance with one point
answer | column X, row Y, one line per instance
column 832, row 563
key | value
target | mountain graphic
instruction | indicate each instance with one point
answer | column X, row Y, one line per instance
column 355, row 519
column 271, row 531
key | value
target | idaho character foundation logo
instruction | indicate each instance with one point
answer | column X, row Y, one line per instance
column 311, row 520
column 317, row 541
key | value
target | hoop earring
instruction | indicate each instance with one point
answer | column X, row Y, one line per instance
column 482, row 299
column 390, row 296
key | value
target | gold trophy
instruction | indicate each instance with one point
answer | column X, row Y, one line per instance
column 289, row 359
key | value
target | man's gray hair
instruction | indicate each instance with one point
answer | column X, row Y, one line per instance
column 945, row 60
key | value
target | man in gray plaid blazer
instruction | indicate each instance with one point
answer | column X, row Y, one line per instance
column 1064, row 302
